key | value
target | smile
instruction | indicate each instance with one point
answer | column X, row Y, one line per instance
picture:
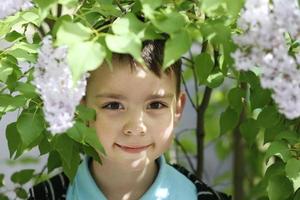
column 133, row 149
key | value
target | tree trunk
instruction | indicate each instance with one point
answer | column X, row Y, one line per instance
column 200, row 132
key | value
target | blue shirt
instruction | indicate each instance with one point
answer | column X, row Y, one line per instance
column 168, row 185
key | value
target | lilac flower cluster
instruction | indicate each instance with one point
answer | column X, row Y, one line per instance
column 54, row 83
column 10, row 7
column 263, row 45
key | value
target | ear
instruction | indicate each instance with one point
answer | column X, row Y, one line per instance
column 179, row 107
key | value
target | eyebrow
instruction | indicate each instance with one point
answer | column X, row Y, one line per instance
column 121, row 97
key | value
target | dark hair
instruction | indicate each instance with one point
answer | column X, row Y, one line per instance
column 153, row 54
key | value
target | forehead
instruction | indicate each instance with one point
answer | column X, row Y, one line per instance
column 126, row 76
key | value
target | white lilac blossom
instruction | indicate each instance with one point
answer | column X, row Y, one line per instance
column 53, row 79
column 263, row 45
column 10, row 7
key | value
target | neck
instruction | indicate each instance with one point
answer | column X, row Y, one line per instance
column 121, row 180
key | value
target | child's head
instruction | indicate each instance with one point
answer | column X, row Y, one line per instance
column 136, row 107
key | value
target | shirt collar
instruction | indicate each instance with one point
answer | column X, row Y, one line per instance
column 84, row 186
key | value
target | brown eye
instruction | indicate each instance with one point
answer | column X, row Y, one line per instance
column 157, row 105
column 113, row 106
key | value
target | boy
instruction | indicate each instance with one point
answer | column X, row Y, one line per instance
column 137, row 109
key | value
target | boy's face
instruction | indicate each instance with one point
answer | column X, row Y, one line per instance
column 136, row 111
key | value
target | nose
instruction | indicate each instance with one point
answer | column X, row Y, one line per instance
column 135, row 126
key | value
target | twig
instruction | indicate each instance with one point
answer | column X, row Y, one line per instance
column 188, row 93
column 184, row 131
column 120, row 6
column 187, row 59
column 40, row 174
column 200, row 130
column 195, row 79
column 185, row 154
column 59, row 10
column 4, row 88
column 50, row 23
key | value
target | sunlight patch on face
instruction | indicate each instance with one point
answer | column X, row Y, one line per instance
column 140, row 73
column 126, row 196
column 162, row 193
column 142, row 175
column 161, row 92
column 169, row 130
column 138, row 162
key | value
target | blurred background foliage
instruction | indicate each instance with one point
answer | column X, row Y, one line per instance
column 233, row 112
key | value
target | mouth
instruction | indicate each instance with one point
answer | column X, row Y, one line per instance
column 133, row 149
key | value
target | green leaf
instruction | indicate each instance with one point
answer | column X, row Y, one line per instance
column 165, row 22
column 277, row 168
column 127, row 24
column 268, row 117
column 59, row 21
column 54, row 161
column 45, row 6
column 297, row 194
column 3, row 197
column 12, row 36
column 279, row 188
column 129, row 43
column 149, row 6
column 77, row 132
column 9, row 103
column 280, row 149
column 204, row 66
column 91, row 138
column 22, row 176
column 292, row 170
column 70, row 170
column 44, row 146
column 85, row 113
column 249, row 129
column 32, row 16
column 107, row 9
column 216, row 31
column 149, row 33
column 210, row 4
column 21, row 193
column 175, row 47
column 85, row 56
column 30, row 127
column 271, row 134
column 234, row 7
column 259, row 97
column 235, row 96
column 228, row 120
column 1, row 180
column 5, row 71
column 70, row 33
column 289, row 136
column 215, row 80
column 223, row 148
column 13, row 138
column 26, row 47
column 189, row 145
column 90, row 151
column 68, row 3
column 251, row 78
column 4, row 29
column 23, row 55
column 27, row 89
column 8, row 66
column 65, row 147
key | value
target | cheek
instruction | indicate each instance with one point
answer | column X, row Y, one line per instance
column 163, row 133
column 106, row 129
